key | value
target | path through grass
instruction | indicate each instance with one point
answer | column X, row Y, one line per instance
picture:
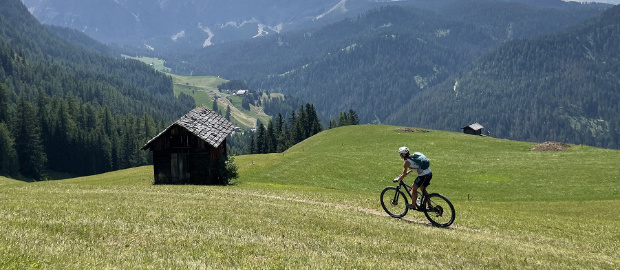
column 316, row 206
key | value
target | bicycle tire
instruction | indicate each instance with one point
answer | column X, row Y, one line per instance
column 441, row 213
column 394, row 202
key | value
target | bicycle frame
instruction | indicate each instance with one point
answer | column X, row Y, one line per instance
column 436, row 207
column 407, row 189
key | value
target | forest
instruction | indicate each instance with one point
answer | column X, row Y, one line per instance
column 74, row 110
column 400, row 65
column 562, row 87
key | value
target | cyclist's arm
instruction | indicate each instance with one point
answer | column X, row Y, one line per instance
column 405, row 170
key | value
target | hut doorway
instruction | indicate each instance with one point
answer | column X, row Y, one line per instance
column 178, row 166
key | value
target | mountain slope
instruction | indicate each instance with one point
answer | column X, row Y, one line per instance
column 71, row 109
column 559, row 87
column 375, row 62
column 162, row 25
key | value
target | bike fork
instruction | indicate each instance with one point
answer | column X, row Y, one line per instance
column 396, row 195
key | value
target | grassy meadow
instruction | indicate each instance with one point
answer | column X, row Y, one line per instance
column 316, row 206
column 204, row 89
column 157, row 64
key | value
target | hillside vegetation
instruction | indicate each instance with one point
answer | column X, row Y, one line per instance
column 68, row 108
column 562, row 87
column 380, row 59
column 316, row 206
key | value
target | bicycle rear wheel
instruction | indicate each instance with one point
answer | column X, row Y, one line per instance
column 394, row 202
column 441, row 213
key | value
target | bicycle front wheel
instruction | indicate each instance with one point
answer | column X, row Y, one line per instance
column 394, row 202
column 441, row 212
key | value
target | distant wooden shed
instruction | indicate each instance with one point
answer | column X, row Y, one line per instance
column 473, row 129
column 186, row 151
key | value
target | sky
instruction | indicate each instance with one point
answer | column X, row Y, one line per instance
column 615, row 2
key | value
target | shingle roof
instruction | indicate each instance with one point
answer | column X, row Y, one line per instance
column 474, row 126
column 205, row 124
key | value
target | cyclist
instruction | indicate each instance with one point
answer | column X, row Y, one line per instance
column 422, row 181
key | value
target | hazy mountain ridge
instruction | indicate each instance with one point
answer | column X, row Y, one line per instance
column 400, row 65
column 157, row 25
column 375, row 62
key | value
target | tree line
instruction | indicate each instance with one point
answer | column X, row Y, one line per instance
column 282, row 132
column 65, row 135
column 279, row 134
column 67, row 108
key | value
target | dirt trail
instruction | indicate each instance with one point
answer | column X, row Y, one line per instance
column 377, row 212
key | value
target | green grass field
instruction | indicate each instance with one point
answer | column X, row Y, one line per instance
column 156, row 63
column 316, row 206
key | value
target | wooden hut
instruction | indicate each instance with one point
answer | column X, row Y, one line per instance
column 473, row 129
column 188, row 151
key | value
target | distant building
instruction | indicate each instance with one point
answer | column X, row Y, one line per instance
column 241, row 92
column 186, row 151
column 473, row 129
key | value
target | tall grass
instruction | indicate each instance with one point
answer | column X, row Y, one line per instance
column 316, row 206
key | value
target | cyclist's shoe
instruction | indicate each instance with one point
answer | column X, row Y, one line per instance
column 395, row 180
column 411, row 206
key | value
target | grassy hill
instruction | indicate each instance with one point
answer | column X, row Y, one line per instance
column 316, row 206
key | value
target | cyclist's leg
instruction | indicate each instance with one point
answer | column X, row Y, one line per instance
column 414, row 196
column 425, row 183
column 414, row 191
column 428, row 203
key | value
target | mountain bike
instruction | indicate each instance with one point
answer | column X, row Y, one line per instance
column 436, row 207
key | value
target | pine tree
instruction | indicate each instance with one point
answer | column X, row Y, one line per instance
column 313, row 120
column 8, row 156
column 252, row 145
column 280, row 135
column 4, row 102
column 343, row 119
column 214, row 106
column 30, row 151
column 354, row 119
column 261, row 140
column 271, row 138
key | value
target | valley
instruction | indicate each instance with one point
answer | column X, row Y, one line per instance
column 541, row 76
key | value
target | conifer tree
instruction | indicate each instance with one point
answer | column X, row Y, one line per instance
column 252, row 146
column 280, row 134
column 4, row 102
column 29, row 147
column 271, row 138
column 261, row 140
column 214, row 106
column 8, row 156
column 354, row 119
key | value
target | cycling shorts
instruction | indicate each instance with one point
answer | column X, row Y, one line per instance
column 423, row 180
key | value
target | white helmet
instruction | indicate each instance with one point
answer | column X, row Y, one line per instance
column 403, row 150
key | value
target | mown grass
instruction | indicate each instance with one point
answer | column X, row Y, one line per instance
column 316, row 206
column 202, row 88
